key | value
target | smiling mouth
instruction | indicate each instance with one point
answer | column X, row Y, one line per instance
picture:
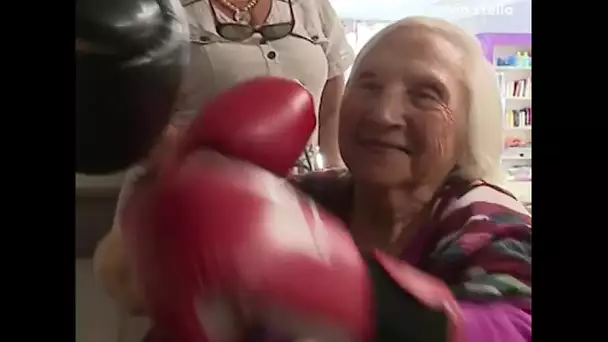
column 380, row 145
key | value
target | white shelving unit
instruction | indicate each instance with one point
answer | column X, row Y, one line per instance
column 515, row 83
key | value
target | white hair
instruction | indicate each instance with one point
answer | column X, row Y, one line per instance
column 481, row 158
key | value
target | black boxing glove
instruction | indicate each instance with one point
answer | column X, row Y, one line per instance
column 130, row 56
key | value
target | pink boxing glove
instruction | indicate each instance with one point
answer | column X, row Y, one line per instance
column 266, row 121
column 226, row 245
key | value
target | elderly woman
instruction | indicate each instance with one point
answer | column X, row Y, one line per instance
column 419, row 132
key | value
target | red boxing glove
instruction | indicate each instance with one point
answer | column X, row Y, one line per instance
column 221, row 245
column 266, row 121
column 224, row 244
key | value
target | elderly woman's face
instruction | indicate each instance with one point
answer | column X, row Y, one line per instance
column 404, row 109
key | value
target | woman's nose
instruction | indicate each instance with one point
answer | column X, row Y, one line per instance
column 391, row 107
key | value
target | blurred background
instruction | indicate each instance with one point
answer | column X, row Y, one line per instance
column 504, row 30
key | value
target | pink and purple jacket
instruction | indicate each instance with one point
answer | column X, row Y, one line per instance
column 478, row 240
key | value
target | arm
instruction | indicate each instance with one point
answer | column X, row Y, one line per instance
column 496, row 290
column 340, row 56
column 479, row 322
column 492, row 305
column 329, row 121
column 496, row 322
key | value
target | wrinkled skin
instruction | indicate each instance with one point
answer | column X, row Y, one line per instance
column 403, row 117
column 403, row 107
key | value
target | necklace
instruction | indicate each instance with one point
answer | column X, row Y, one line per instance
column 241, row 13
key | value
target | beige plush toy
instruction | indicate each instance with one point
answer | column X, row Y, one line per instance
column 115, row 274
column 112, row 268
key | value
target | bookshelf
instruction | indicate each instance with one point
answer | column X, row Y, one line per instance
column 511, row 55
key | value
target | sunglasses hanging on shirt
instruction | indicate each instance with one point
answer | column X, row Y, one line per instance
column 242, row 29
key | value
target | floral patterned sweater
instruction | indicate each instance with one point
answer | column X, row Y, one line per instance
column 478, row 240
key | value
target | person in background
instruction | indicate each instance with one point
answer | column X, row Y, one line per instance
column 232, row 41
column 235, row 40
column 419, row 133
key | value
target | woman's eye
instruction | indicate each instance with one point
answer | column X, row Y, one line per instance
column 425, row 99
column 371, row 86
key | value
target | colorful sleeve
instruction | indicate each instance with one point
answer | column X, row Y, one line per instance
column 494, row 322
column 489, row 262
column 490, row 259
column 492, row 305
column 473, row 287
